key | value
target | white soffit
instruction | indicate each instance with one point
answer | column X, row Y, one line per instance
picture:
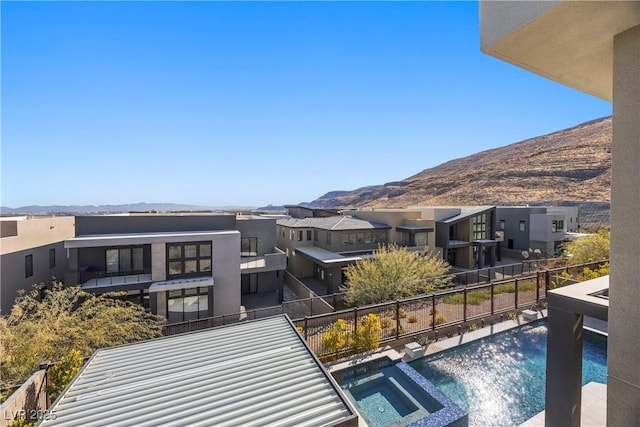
column 570, row 42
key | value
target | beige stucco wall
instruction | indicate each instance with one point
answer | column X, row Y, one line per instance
column 34, row 237
column 35, row 232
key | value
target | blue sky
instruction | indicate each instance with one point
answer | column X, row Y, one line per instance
column 236, row 103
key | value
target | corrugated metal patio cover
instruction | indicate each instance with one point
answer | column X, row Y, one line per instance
column 257, row 373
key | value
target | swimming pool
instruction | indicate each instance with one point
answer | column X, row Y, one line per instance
column 393, row 394
column 500, row 380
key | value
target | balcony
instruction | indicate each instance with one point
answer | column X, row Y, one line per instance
column 102, row 279
column 277, row 260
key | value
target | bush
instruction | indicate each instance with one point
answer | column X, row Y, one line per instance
column 413, row 319
column 386, row 322
column 473, row 297
column 367, row 335
column 62, row 373
column 402, row 313
column 336, row 337
column 440, row 319
column 511, row 287
column 454, row 299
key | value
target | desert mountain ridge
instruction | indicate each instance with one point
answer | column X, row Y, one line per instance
column 572, row 165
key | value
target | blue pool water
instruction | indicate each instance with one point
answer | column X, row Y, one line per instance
column 384, row 394
column 500, row 380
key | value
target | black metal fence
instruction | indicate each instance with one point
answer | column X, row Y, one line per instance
column 488, row 296
column 441, row 310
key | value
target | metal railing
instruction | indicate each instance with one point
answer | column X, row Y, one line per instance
column 443, row 309
column 409, row 316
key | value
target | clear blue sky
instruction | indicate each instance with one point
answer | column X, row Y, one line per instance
column 214, row 103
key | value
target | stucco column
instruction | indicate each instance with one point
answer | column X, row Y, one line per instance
column 564, row 368
column 623, row 383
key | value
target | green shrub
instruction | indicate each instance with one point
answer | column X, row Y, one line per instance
column 454, row 299
column 473, row 327
column 413, row 319
column 511, row 287
column 511, row 315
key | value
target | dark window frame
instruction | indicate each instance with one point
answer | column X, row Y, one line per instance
column 122, row 271
column 252, row 243
column 28, row 266
column 52, row 258
column 183, row 260
column 199, row 291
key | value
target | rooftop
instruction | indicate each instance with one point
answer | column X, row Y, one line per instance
column 252, row 374
column 338, row 223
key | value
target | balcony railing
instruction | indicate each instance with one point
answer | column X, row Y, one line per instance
column 277, row 260
column 96, row 279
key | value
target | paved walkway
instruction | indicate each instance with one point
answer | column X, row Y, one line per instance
column 594, row 408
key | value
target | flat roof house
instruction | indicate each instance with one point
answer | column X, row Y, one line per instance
column 182, row 267
column 31, row 252
column 254, row 373
column 593, row 47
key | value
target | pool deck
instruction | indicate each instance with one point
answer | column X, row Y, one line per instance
column 594, row 408
column 447, row 343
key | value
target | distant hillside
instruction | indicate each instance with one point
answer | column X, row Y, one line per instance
column 570, row 165
column 101, row 209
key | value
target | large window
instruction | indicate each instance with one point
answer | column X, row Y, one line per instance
column 187, row 304
column 188, row 259
column 522, row 226
column 480, row 227
column 124, row 260
column 249, row 246
column 28, row 266
column 363, row 238
column 557, row 226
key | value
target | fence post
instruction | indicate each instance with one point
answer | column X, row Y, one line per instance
column 355, row 319
column 516, row 289
column 546, row 281
column 397, row 319
column 464, row 304
column 537, row 287
column 311, row 306
column 334, row 302
column 492, row 302
column 306, row 328
column 433, row 311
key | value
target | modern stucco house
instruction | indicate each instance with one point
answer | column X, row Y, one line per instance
column 535, row 227
column 182, row 267
column 593, row 47
column 31, row 252
column 179, row 265
column 322, row 248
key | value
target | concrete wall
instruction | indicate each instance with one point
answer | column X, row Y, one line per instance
column 226, row 273
column 512, row 217
column 158, row 262
column 33, row 237
column 115, row 224
column 30, row 398
column 264, row 229
column 623, row 383
column 541, row 227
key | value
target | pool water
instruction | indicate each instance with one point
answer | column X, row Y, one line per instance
column 384, row 395
column 500, row 380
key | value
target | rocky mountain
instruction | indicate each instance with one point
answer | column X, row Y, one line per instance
column 569, row 165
